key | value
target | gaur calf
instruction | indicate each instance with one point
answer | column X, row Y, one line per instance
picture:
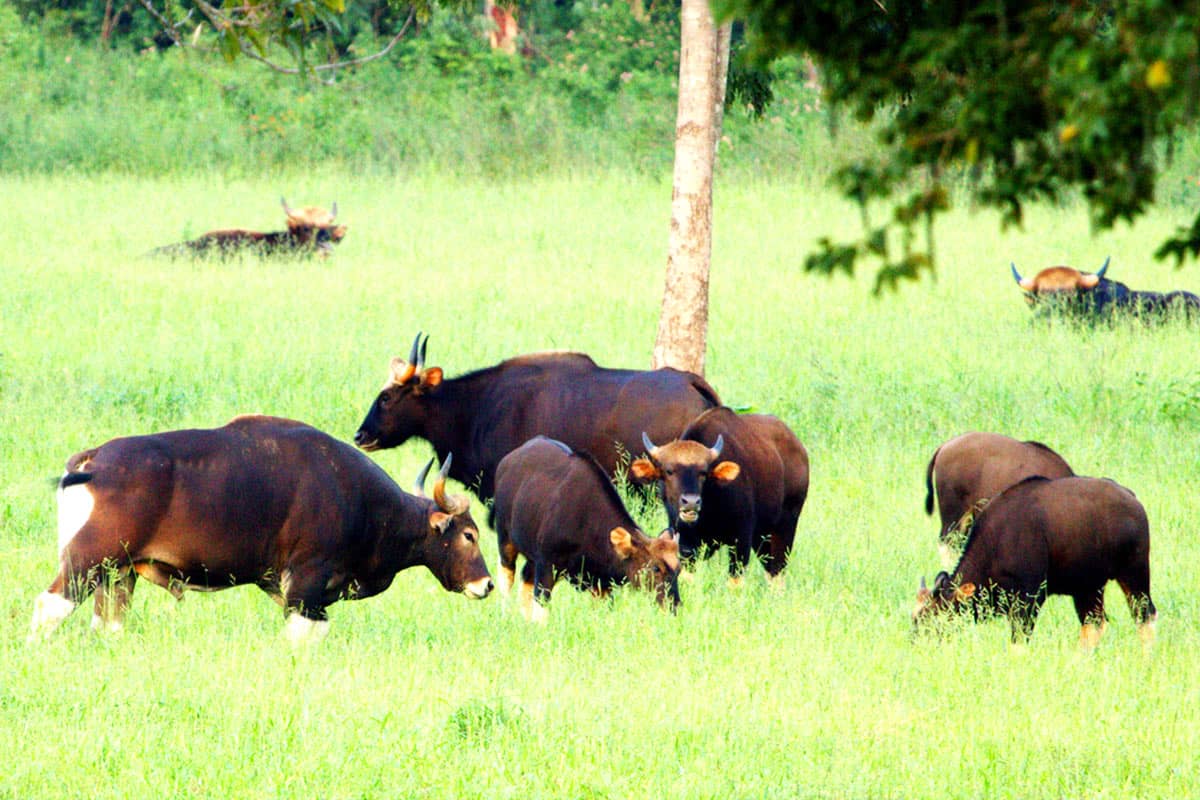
column 559, row 510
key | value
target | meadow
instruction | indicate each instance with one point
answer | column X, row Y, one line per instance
column 814, row 690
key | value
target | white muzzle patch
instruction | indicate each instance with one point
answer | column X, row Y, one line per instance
column 689, row 517
column 75, row 505
column 478, row 589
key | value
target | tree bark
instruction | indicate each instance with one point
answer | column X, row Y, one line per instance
column 703, row 63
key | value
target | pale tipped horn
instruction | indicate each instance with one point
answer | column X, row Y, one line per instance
column 923, row 586
column 1016, row 275
column 451, row 505
column 416, row 349
column 286, row 208
column 718, row 447
column 1100, row 273
column 421, row 357
column 419, row 486
column 649, row 445
column 333, row 211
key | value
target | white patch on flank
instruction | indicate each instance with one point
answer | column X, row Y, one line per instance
column 49, row 610
column 302, row 630
column 75, row 504
column 478, row 589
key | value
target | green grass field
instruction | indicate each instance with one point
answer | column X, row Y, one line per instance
column 815, row 690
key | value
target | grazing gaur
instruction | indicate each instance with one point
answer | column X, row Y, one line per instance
column 751, row 500
column 484, row 415
column 262, row 500
column 1093, row 295
column 974, row 467
column 559, row 509
column 310, row 230
column 1042, row 537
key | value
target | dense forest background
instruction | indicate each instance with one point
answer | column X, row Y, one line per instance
column 593, row 87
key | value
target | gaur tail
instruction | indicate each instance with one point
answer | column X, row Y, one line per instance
column 929, row 482
column 706, row 391
column 74, row 478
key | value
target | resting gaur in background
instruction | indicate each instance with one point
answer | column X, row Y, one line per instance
column 1041, row 537
column 970, row 469
column 745, row 490
column 310, row 230
column 484, row 415
column 559, row 510
column 1091, row 294
column 263, row 500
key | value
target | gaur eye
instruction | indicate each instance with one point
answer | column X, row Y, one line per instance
column 470, row 537
column 669, row 471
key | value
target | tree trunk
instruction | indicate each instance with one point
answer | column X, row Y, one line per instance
column 703, row 62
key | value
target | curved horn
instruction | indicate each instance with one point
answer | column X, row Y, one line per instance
column 1016, row 275
column 718, row 447
column 1100, row 273
column 419, row 486
column 415, row 351
column 649, row 445
column 451, row 505
column 923, row 586
column 333, row 211
column 286, row 209
column 421, row 357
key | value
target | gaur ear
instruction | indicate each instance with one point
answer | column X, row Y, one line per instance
column 430, row 378
column 401, row 371
column 964, row 591
column 1088, row 281
column 622, row 541
column 642, row 470
column 439, row 520
column 725, row 471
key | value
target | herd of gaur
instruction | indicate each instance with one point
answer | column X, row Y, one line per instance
column 543, row 439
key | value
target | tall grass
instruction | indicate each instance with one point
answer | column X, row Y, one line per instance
column 815, row 690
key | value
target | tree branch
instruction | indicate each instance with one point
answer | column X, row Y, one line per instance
column 164, row 23
column 220, row 21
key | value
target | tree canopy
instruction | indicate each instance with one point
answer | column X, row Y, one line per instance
column 1031, row 100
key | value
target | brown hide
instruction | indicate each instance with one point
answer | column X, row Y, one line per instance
column 754, row 507
column 484, row 415
column 974, row 467
column 559, row 510
column 261, row 500
column 1042, row 537
column 309, row 230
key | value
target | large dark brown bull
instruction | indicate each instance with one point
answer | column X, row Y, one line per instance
column 751, row 500
column 484, row 415
column 974, row 467
column 1042, row 537
column 262, row 500
column 310, row 230
column 559, row 510
column 1086, row 295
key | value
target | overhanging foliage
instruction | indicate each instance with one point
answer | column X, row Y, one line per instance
column 1029, row 100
